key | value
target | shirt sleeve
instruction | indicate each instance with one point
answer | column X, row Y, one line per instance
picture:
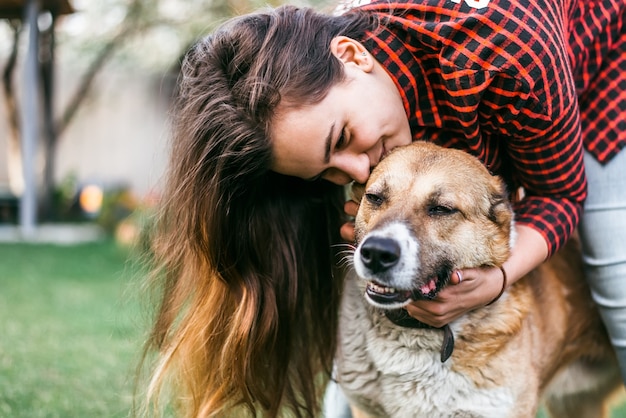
column 498, row 77
column 525, row 102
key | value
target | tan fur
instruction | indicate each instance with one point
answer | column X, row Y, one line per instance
column 544, row 326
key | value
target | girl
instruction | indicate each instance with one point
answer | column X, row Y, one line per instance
column 279, row 109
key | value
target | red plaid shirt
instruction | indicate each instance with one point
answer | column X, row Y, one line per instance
column 518, row 84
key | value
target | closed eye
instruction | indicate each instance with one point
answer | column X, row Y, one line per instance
column 342, row 140
column 441, row 210
column 374, row 199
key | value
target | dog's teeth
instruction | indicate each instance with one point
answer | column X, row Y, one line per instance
column 382, row 289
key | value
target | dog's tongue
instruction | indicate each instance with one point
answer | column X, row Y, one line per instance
column 429, row 287
column 426, row 291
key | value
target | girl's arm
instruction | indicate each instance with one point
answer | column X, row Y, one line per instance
column 482, row 285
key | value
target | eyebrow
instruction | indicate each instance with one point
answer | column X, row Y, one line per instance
column 329, row 141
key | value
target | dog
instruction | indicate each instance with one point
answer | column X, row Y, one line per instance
column 427, row 211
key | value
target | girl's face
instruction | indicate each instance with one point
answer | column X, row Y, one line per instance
column 347, row 133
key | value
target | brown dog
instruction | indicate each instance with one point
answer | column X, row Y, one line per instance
column 426, row 212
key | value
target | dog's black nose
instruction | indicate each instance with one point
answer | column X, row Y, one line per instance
column 380, row 254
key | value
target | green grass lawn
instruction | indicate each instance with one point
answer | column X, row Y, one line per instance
column 69, row 331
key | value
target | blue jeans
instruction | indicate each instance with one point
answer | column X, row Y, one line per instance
column 335, row 402
column 603, row 234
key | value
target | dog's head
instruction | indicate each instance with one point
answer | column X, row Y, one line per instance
column 425, row 212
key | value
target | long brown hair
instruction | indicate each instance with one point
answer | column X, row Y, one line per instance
column 243, row 257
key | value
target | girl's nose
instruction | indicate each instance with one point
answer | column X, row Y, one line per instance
column 350, row 167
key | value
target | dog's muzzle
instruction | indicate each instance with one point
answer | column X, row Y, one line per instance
column 378, row 255
column 387, row 260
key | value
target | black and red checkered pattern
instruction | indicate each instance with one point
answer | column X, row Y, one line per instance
column 504, row 82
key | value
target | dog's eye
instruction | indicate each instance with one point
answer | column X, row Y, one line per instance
column 441, row 210
column 374, row 199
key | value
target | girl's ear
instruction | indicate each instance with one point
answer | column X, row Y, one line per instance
column 348, row 50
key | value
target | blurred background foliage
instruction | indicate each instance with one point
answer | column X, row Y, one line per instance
column 149, row 35
column 145, row 37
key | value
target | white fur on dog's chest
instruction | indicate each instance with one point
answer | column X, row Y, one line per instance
column 380, row 363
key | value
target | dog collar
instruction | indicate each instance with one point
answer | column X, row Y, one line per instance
column 402, row 318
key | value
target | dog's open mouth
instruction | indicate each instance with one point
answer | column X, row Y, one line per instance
column 384, row 295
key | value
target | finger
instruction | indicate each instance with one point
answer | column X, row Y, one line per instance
column 347, row 231
column 433, row 309
column 351, row 207
column 456, row 277
column 425, row 316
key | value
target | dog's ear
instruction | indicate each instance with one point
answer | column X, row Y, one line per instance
column 501, row 210
column 357, row 191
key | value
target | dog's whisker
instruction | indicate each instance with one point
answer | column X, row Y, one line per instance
column 348, row 251
column 345, row 258
column 345, row 254
column 348, row 246
column 345, row 261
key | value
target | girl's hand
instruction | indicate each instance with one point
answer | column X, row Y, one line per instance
column 468, row 289
column 477, row 287
column 347, row 229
